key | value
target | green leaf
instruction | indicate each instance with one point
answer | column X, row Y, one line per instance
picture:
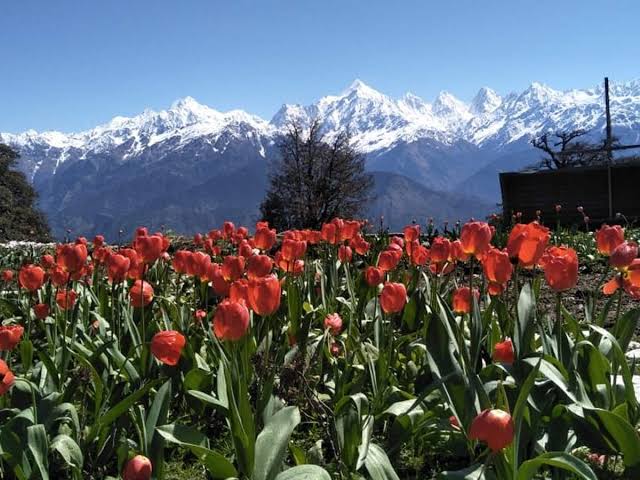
column 39, row 448
column 69, row 450
column 272, row 442
column 558, row 460
column 378, row 465
column 209, row 400
column 625, row 327
column 304, row 472
column 218, row 466
column 519, row 410
column 154, row 449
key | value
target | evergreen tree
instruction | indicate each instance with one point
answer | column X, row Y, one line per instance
column 19, row 218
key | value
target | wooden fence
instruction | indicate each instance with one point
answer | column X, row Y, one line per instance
column 572, row 187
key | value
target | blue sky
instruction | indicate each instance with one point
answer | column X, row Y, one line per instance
column 70, row 65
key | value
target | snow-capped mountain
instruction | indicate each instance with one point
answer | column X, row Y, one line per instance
column 179, row 164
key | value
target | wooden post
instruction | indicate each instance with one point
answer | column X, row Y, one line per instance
column 608, row 145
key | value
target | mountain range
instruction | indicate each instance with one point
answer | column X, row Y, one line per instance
column 190, row 167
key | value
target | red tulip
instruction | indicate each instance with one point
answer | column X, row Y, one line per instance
column 440, row 251
column 293, row 249
column 462, row 299
column 389, row 259
column 228, row 229
column 10, row 336
column 197, row 239
column 230, row 321
column 608, row 238
column 7, row 378
column 98, row 241
column 239, row 291
column 41, row 310
column 560, row 266
column 199, row 315
column 220, row 285
column 245, row 249
column 457, row 253
column 181, row 261
column 59, row 276
column 497, row 269
column 167, row 346
column 265, row 238
column 149, row 247
column 419, row 255
column 198, row 264
column 373, row 276
column 259, row 266
column 330, row 233
column 359, row 244
column 503, row 351
column 411, row 233
column 138, row 468
column 264, row 294
column 140, row 294
column 232, row 267
column 494, row 427
column 31, row 277
column 622, row 256
column 348, row 229
column 66, row 299
column 117, row 268
column 344, row 254
column 71, row 257
column 393, row 297
column 333, row 323
column 475, row 237
column 7, row 275
column 48, row 261
column 527, row 243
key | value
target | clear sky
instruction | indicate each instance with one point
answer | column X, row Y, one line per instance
column 70, row 65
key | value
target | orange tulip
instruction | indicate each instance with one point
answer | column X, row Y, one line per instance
column 264, row 295
column 503, row 352
column 419, row 255
column 494, row 427
column 149, row 247
column 230, row 321
column 393, row 297
column 31, row 277
column 167, row 346
column 527, row 243
column 608, row 238
column 10, row 336
column 7, row 378
column 140, row 294
column 293, row 249
column 461, row 300
column 440, row 250
column 138, row 468
column 497, row 269
column 560, row 265
column 475, row 237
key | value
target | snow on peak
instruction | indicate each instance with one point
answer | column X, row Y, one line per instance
column 485, row 101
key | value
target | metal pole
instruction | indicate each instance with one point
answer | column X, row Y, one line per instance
column 608, row 145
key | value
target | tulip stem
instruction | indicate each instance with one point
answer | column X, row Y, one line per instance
column 559, row 332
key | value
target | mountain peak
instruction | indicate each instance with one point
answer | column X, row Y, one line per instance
column 485, row 101
column 446, row 103
column 360, row 89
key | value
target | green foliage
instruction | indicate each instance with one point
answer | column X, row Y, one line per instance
column 19, row 217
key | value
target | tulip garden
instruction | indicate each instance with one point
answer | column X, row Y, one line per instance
column 342, row 353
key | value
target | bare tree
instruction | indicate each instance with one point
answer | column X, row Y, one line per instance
column 562, row 150
column 315, row 180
